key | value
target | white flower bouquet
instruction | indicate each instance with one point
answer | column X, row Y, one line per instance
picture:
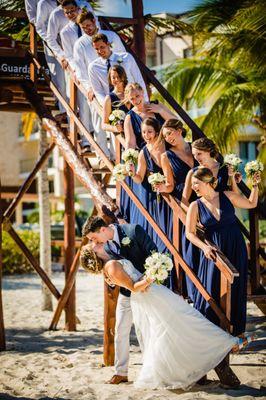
column 252, row 167
column 233, row 160
column 157, row 267
column 130, row 156
column 154, row 179
column 116, row 117
column 120, row 172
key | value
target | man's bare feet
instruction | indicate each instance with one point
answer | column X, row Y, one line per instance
column 117, row 379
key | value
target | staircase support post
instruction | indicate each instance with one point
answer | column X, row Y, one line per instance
column 138, row 30
column 2, row 326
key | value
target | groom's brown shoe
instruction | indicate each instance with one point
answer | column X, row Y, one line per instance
column 116, row 379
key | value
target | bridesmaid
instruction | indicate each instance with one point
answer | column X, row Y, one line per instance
column 115, row 100
column 206, row 153
column 149, row 162
column 135, row 95
column 176, row 162
column 215, row 211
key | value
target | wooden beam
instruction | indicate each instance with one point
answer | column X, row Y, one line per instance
column 254, row 250
column 28, row 181
column 34, row 263
column 110, row 301
column 138, row 30
column 66, row 292
column 2, row 326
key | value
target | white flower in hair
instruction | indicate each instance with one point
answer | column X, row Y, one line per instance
column 126, row 241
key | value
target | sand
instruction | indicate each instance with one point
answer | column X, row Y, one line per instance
column 40, row 364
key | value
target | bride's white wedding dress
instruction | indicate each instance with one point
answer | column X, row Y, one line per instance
column 179, row 345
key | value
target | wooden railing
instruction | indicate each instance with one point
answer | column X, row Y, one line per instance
column 228, row 272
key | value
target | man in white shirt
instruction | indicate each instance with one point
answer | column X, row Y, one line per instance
column 31, row 9
column 98, row 69
column 69, row 35
column 57, row 22
column 84, row 54
column 44, row 10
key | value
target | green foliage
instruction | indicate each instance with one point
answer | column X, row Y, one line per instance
column 228, row 69
column 14, row 261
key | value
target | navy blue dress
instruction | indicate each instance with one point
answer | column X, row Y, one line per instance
column 124, row 199
column 190, row 253
column 226, row 234
column 159, row 210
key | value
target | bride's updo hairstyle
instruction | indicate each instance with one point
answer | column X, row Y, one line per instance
column 89, row 260
column 207, row 145
column 205, row 175
column 176, row 124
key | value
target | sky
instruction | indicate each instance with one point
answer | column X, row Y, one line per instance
column 122, row 8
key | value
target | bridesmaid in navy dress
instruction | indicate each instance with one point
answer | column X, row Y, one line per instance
column 215, row 211
column 205, row 153
column 149, row 163
column 132, row 127
column 135, row 95
column 177, row 161
column 115, row 101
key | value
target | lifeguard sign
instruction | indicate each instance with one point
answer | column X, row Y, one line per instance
column 19, row 66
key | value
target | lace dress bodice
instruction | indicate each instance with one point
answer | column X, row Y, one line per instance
column 129, row 268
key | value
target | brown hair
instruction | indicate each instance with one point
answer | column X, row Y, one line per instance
column 84, row 15
column 205, row 175
column 207, row 145
column 152, row 122
column 175, row 124
column 120, row 72
column 90, row 261
column 98, row 37
column 66, row 3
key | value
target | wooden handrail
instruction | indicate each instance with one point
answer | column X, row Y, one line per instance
column 110, row 165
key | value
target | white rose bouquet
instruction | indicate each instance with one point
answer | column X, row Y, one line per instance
column 130, row 156
column 116, row 117
column 157, row 267
column 154, row 179
column 252, row 167
column 119, row 172
column 233, row 160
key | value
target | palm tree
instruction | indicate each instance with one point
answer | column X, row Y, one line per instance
column 228, row 69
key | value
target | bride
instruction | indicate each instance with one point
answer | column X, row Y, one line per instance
column 179, row 345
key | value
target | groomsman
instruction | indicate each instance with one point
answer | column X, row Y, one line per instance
column 98, row 69
column 131, row 242
column 69, row 35
column 44, row 10
column 84, row 54
column 31, row 9
column 57, row 22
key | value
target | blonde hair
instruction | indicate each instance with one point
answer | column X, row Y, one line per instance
column 129, row 88
column 205, row 175
column 90, row 261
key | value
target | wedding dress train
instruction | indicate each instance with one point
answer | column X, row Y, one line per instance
column 179, row 345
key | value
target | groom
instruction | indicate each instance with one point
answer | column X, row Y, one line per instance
column 131, row 242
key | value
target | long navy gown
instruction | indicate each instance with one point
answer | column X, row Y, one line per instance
column 158, row 209
column 190, row 253
column 127, row 207
column 124, row 199
column 226, row 234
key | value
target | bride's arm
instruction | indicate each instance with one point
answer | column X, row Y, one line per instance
column 118, row 276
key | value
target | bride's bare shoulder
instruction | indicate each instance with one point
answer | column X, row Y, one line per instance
column 112, row 266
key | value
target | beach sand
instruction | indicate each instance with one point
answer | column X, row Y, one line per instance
column 40, row 364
